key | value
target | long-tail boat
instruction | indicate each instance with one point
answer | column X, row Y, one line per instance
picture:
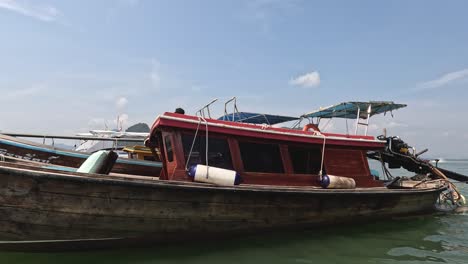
column 31, row 151
column 289, row 178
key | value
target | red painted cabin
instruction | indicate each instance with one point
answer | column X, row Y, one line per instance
column 262, row 154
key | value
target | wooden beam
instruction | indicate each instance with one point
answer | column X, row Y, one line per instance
column 73, row 137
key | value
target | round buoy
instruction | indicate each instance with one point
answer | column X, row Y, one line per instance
column 337, row 182
column 218, row 176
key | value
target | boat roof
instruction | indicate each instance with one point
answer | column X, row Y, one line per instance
column 257, row 118
column 263, row 132
column 351, row 109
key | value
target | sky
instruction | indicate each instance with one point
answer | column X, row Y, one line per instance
column 71, row 66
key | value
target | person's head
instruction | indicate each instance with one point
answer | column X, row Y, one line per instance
column 180, row 111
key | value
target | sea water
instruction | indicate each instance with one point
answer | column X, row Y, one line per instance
column 438, row 238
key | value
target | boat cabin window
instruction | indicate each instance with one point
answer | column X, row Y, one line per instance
column 305, row 160
column 169, row 152
column 149, row 158
column 258, row 157
column 219, row 154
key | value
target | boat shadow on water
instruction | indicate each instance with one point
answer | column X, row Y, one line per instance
column 420, row 238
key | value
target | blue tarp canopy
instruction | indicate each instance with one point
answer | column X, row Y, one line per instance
column 351, row 109
column 256, row 118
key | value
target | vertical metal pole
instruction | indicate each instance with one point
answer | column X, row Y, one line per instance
column 226, row 117
column 234, row 109
column 357, row 119
column 369, row 109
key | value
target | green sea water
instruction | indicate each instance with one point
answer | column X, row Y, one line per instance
column 438, row 238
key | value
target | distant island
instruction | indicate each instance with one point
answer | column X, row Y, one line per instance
column 139, row 127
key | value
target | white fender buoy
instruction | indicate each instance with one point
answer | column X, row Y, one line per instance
column 93, row 162
column 218, row 176
column 337, row 182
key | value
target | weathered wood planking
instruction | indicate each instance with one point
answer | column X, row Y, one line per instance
column 43, row 205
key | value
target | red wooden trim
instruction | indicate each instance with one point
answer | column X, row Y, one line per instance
column 256, row 131
column 235, row 155
column 365, row 162
column 166, row 164
column 176, row 168
column 286, row 158
column 178, row 149
column 255, row 126
column 163, row 175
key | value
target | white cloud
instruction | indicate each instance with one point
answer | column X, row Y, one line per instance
column 311, row 79
column 44, row 13
column 444, row 80
column 121, row 102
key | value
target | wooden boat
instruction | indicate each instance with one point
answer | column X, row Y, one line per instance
column 280, row 169
column 31, row 151
column 93, row 145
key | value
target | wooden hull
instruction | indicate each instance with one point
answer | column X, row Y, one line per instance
column 46, row 205
column 14, row 147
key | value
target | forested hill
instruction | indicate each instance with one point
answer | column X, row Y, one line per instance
column 140, row 127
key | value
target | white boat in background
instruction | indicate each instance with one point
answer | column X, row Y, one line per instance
column 95, row 145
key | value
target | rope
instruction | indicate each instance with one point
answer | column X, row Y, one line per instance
column 384, row 169
column 200, row 118
column 458, row 195
column 323, row 157
column 206, row 146
column 434, row 170
column 455, row 192
column 193, row 143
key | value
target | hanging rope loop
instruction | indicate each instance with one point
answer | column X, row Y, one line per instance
column 323, row 156
column 200, row 119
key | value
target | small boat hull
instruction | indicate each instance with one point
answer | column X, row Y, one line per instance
column 30, row 151
column 45, row 205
